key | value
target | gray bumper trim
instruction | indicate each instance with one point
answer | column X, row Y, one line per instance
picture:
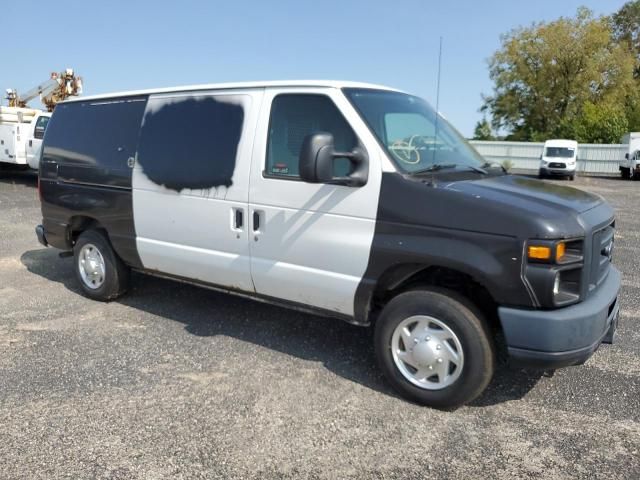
column 570, row 329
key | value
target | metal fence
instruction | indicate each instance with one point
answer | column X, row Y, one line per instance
column 592, row 159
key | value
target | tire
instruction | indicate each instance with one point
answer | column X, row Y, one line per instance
column 540, row 175
column 572, row 177
column 626, row 173
column 111, row 279
column 463, row 320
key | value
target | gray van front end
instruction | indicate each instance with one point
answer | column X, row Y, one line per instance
column 567, row 336
column 552, row 313
column 558, row 334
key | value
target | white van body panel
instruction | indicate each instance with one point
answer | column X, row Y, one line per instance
column 190, row 233
column 314, row 247
column 337, row 84
column 314, row 242
column 559, row 165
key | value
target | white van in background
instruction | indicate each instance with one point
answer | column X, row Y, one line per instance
column 630, row 164
column 559, row 158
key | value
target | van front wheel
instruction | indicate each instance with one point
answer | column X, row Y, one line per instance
column 434, row 348
column 99, row 270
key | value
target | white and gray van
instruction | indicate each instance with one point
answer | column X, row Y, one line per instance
column 344, row 199
column 559, row 159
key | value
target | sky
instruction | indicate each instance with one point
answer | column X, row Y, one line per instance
column 124, row 45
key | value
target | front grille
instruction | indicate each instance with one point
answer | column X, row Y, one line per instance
column 603, row 241
column 557, row 165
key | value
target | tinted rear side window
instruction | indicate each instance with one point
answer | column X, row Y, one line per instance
column 191, row 142
column 101, row 134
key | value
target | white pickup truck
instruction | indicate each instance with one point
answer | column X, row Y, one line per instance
column 21, row 134
column 630, row 164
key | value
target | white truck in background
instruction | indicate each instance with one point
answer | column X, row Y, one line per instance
column 630, row 164
column 34, row 139
column 21, row 133
column 22, row 128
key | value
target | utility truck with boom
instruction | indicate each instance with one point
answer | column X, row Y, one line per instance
column 22, row 128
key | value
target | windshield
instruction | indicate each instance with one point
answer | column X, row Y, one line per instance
column 559, row 152
column 408, row 128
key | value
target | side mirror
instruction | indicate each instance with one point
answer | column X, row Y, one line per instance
column 317, row 157
column 626, row 156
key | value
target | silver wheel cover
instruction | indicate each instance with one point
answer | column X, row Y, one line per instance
column 91, row 266
column 427, row 352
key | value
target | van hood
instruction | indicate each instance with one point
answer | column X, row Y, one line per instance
column 528, row 194
column 506, row 205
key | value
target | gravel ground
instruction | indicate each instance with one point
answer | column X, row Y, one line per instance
column 174, row 381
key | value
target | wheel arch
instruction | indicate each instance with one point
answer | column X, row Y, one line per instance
column 400, row 278
column 81, row 223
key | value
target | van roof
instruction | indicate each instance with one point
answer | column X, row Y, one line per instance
column 235, row 86
column 561, row 143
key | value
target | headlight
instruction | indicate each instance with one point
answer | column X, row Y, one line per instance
column 553, row 269
column 539, row 252
column 560, row 252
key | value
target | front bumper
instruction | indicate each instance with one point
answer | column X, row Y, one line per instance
column 558, row 171
column 567, row 336
column 41, row 236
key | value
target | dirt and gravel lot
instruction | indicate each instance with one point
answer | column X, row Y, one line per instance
column 174, row 381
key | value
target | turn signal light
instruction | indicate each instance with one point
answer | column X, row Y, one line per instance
column 561, row 250
column 538, row 252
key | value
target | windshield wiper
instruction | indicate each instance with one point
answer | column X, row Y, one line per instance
column 445, row 166
column 435, row 167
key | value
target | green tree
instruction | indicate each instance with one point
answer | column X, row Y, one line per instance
column 602, row 123
column 483, row 131
column 546, row 74
column 625, row 24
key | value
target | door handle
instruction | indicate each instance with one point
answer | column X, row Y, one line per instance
column 258, row 223
column 237, row 219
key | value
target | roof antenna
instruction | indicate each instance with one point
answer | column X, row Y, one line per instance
column 435, row 137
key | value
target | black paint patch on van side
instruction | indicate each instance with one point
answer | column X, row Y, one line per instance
column 191, row 142
column 84, row 172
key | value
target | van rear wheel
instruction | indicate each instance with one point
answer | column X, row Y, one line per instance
column 434, row 348
column 100, row 272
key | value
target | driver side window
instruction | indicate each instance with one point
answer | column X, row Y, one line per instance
column 293, row 117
